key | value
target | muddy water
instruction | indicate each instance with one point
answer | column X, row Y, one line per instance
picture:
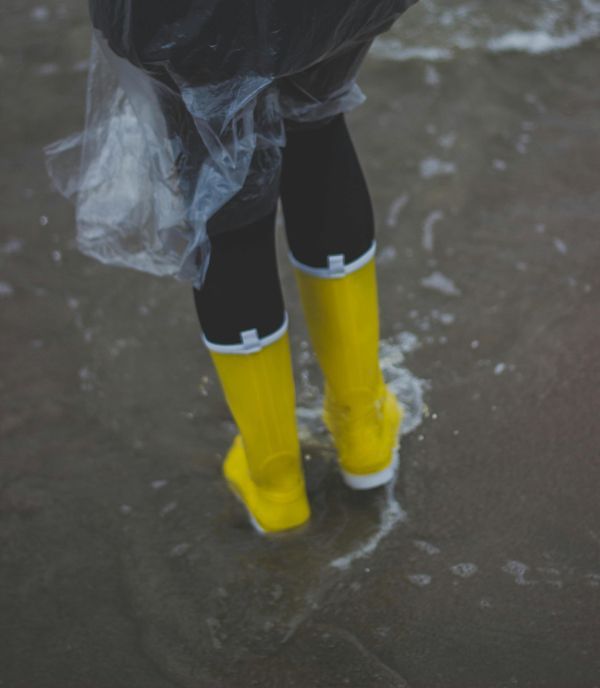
column 124, row 560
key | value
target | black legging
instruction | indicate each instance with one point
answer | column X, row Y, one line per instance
column 327, row 211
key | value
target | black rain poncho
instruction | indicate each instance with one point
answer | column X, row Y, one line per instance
column 186, row 101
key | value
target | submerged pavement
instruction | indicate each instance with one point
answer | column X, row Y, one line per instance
column 124, row 561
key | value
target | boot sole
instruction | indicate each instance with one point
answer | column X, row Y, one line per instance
column 233, row 488
column 369, row 481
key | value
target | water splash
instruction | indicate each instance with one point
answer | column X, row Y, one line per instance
column 390, row 514
column 409, row 391
column 407, row 387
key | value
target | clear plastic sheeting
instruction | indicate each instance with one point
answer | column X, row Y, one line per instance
column 185, row 112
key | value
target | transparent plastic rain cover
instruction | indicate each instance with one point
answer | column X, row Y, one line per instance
column 186, row 102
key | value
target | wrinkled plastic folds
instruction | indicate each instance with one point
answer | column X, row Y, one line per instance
column 186, row 104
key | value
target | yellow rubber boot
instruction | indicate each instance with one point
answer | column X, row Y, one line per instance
column 263, row 465
column 362, row 414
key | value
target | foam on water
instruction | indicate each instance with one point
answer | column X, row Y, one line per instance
column 432, row 76
column 433, row 167
column 387, row 255
column 393, row 49
column 409, row 390
column 439, row 282
column 518, row 570
column 6, row 289
column 407, row 387
column 464, row 569
column 395, row 209
column 430, row 221
column 538, row 42
column 158, row 484
column 426, row 547
column 40, row 13
column 560, row 246
column 451, row 26
column 12, row 246
column 390, row 514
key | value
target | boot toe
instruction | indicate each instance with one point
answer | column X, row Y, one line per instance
column 269, row 511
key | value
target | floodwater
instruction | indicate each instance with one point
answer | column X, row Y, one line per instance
column 125, row 562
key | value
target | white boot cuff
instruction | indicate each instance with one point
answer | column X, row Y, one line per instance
column 336, row 265
column 250, row 342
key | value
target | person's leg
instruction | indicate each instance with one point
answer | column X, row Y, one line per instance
column 241, row 291
column 241, row 311
column 326, row 202
column 330, row 229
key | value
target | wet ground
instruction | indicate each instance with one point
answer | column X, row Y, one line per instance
column 125, row 562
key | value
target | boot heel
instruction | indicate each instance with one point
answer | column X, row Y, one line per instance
column 369, row 481
column 263, row 466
